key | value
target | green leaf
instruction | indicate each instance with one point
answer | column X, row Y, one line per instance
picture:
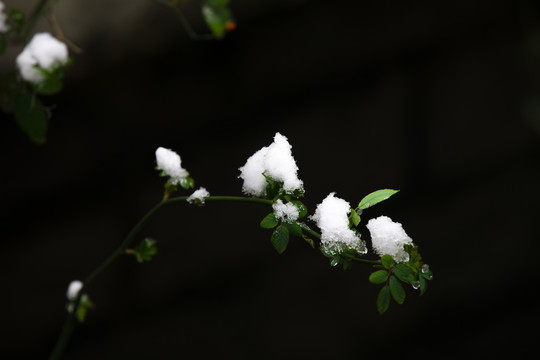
column 50, row 84
column 423, row 285
column 81, row 313
column 354, row 218
column 309, row 241
column 84, row 305
column 294, row 228
column 378, row 277
column 17, row 18
column 280, row 239
column 375, row 198
column 273, row 188
column 404, row 273
column 383, row 300
column 10, row 87
column 302, row 209
column 335, row 260
column 217, row 15
column 270, row 221
column 347, row 264
column 31, row 117
column 396, row 289
column 187, row 182
column 387, row 261
column 415, row 260
column 144, row 251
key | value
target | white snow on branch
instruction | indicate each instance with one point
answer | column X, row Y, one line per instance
column 332, row 218
column 199, row 195
column 3, row 17
column 73, row 289
column 170, row 163
column 388, row 238
column 276, row 162
column 286, row 211
column 43, row 51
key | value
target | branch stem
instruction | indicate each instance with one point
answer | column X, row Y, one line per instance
column 39, row 11
column 70, row 322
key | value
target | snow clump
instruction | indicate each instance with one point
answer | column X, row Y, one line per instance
column 388, row 238
column 3, row 17
column 276, row 162
column 73, row 289
column 170, row 163
column 332, row 218
column 43, row 51
column 198, row 196
column 285, row 212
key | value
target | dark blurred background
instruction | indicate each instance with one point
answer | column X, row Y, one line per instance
column 440, row 100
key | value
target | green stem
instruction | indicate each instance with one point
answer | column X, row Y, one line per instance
column 185, row 23
column 313, row 233
column 39, row 11
column 363, row 261
column 69, row 324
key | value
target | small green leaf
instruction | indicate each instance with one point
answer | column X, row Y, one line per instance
column 335, row 260
column 302, row 209
column 84, row 305
column 423, row 285
column 144, row 251
column 354, row 218
column 415, row 260
column 387, row 261
column 398, row 293
column 404, row 273
column 294, row 228
column 280, row 239
column 10, row 87
column 187, row 182
column 17, row 18
column 273, row 188
column 347, row 264
column 50, row 83
column 309, row 241
column 81, row 313
column 270, row 221
column 31, row 117
column 217, row 15
column 378, row 277
column 383, row 300
column 375, row 198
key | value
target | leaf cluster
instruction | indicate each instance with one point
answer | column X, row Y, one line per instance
column 218, row 17
column 15, row 22
column 21, row 99
column 392, row 274
column 172, row 186
column 283, row 229
column 144, row 250
column 30, row 114
column 84, row 305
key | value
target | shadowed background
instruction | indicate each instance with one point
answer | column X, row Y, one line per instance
column 437, row 100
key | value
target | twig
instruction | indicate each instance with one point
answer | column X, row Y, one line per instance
column 54, row 23
column 185, row 23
